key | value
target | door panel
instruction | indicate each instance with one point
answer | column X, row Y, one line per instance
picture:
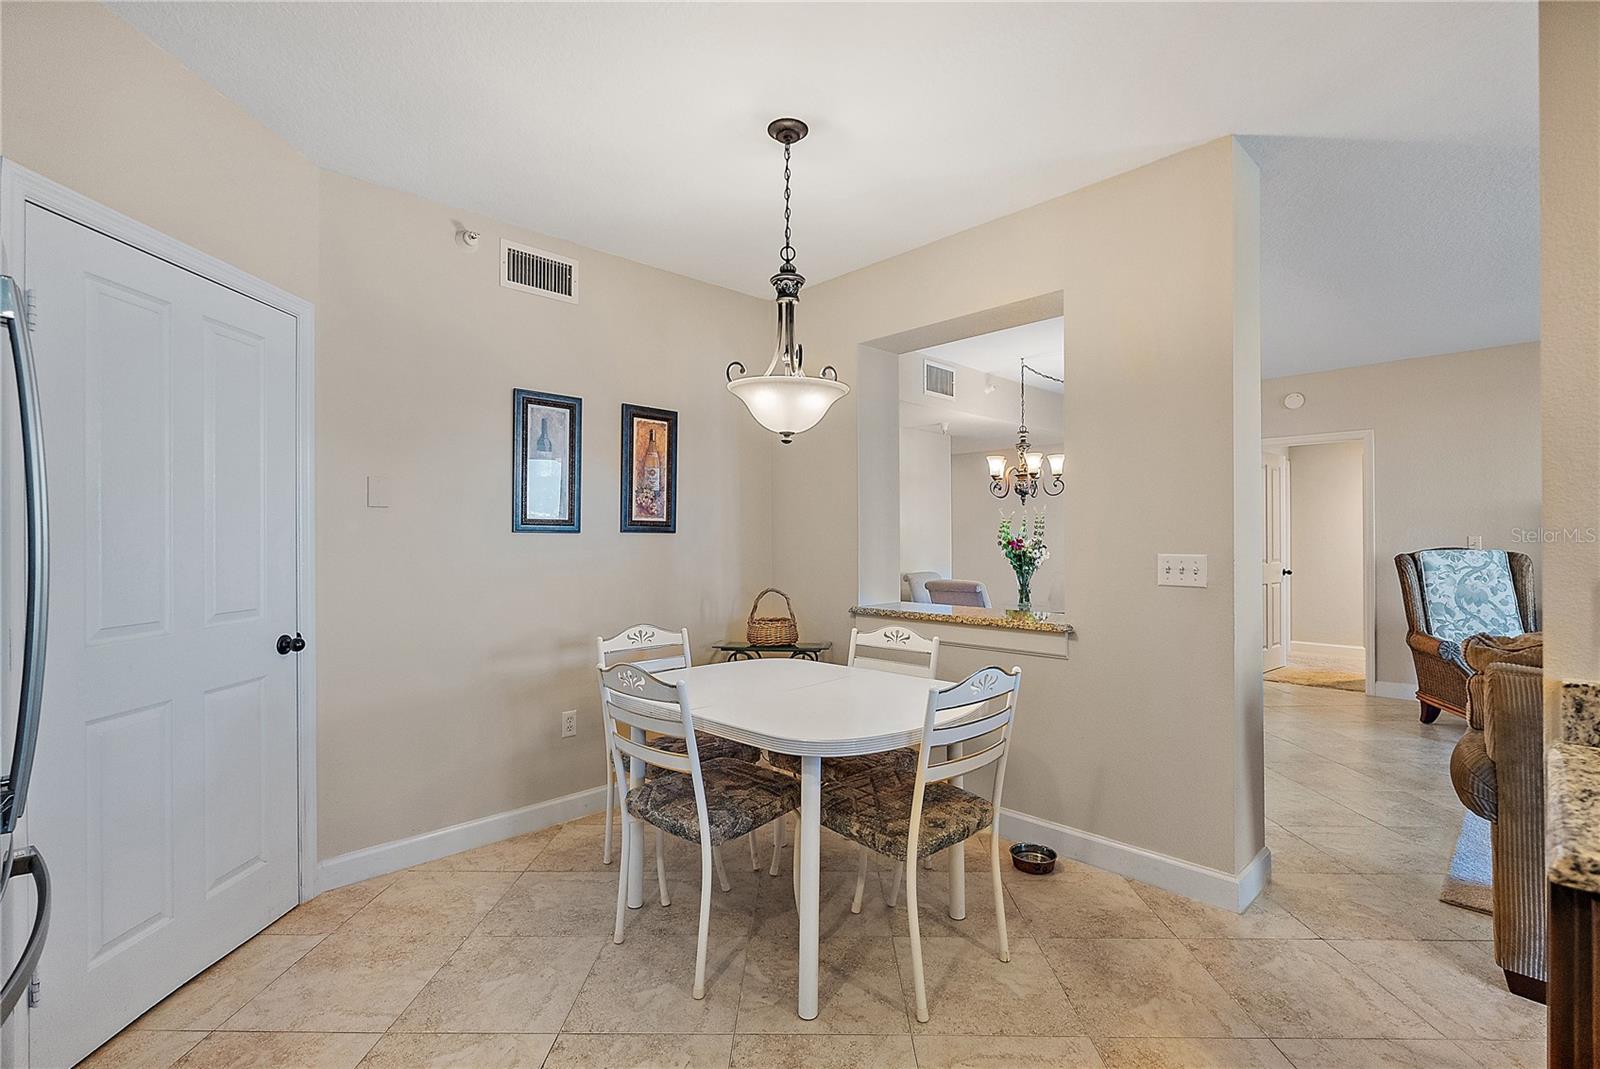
column 165, row 787
column 1275, row 560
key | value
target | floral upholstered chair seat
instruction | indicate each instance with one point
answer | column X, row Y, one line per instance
column 740, row 797
column 839, row 769
column 875, row 809
column 711, row 747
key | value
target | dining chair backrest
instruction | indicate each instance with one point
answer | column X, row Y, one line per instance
column 665, row 649
column 894, row 649
column 986, row 703
column 632, row 697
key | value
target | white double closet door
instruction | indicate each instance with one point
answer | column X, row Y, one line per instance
column 164, row 793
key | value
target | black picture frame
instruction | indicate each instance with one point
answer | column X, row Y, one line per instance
column 549, row 499
column 648, row 508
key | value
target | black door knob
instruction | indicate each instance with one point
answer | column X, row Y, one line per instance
column 288, row 645
column 1286, row 571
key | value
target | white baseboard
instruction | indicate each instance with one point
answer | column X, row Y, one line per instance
column 384, row 858
column 1231, row 891
column 1403, row 691
column 1326, row 649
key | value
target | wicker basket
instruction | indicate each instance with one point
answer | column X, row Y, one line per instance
column 772, row 630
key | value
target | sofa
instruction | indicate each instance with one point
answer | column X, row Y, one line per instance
column 1497, row 769
column 1451, row 594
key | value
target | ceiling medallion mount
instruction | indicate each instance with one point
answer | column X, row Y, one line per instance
column 787, row 131
column 784, row 399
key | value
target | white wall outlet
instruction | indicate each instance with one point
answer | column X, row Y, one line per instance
column 1475, row 541
column 1181, row 569
column 569, row 724
column 377, row 491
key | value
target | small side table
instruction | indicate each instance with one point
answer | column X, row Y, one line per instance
column 797, row 651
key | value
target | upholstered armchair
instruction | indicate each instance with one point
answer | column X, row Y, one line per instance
column 1497, row 769
column 1451, row 594
column 914, row 586
column 966, row 592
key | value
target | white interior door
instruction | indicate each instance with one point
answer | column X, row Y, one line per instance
column 165, row 785
column 1275, row 560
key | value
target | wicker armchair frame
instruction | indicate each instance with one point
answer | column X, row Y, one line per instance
column 1442, row 683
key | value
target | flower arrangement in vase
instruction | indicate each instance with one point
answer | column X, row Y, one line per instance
column 1025, row 549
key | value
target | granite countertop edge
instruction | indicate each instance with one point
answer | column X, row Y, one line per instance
column 1572, row 816
column 1009, row 622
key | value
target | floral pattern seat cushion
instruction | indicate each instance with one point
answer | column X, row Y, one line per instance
column 711, row 747
column 875, row 810
column 740, row 797
column 838, row 769
column 1468, row 592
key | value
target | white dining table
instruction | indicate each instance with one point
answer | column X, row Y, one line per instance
column 811, row 710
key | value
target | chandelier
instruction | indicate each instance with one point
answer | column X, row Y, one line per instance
column 784, row 399
column 1024, row 477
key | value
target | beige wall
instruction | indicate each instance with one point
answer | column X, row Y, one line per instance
column 974, row 515
column 924, row 501
column 1569, row 179
column 1456, row 454
column 90, row 102
column 1326, row 544
column 447, row 645
column 1156, row 692
column 450, row 644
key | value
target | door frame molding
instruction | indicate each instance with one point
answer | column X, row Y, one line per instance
column 1369, row 539
column 20, row 187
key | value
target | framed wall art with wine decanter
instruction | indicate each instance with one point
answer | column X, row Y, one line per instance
column 649, row 469
column 546, row 462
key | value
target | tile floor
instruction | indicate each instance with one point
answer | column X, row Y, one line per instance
column 502, row 956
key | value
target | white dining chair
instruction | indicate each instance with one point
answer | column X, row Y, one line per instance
column 896, row 649
column 656, row 649
column 712, row 801
column 916, row 816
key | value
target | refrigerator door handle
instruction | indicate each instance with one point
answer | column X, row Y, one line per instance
column 14, row 786
column 28, row 862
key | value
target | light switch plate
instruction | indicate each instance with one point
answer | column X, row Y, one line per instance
column 1475, row 541
column 377, row 491
column 1181, row 569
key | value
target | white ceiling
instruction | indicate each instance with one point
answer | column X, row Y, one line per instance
column 1398, row 141
column 999, row 352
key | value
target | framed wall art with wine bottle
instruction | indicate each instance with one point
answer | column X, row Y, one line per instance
column 546, row 462
column 649, row 469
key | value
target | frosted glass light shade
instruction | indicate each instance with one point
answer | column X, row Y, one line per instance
column 787, row 405
column 1035, row 462
column 997, row 466
column 1058, row 463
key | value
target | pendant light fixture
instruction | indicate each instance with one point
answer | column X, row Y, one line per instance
column 1023, row 477
column 784, row 399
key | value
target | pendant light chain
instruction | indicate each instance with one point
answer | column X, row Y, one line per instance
column 787, row 252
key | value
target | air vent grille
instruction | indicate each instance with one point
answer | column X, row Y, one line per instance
column 536, row 271
column 938, row 380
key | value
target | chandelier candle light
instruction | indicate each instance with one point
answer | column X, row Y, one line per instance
column 784, row 399
column 1023, row 478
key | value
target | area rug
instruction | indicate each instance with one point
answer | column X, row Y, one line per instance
column 1333, row 678
column 1468, row 884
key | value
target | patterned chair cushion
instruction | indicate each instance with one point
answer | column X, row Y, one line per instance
column 875, row 810
column 1468, row 592
column 837, row 769
column 740, row 797
column 711, row 747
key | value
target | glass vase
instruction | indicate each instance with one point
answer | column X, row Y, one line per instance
column 1024, row 592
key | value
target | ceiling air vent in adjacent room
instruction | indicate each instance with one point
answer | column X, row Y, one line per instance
column 537, row 271
column 938, row 380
